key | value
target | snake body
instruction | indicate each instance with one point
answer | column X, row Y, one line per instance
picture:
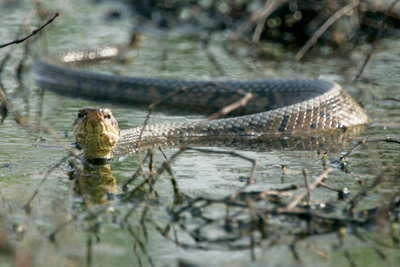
column 278, row 107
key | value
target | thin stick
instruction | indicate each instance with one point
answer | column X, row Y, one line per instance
column 363, row 141
column 235, row 154
column 261, row 21
column 137, row 173
column 149, row 180
column 27, row 206
column 34, row 32
column 323, row 28
column 4, row 202
column 70, row 151
column 262, row 14
column 240, row 103
column 312, row 186
column 21, row 120
column 89, row 250
column 150, row 111
column 305, row 174
column 3, row 98
column 369, row 56
column 52, row 236
column 223, row 111
column 351, row 205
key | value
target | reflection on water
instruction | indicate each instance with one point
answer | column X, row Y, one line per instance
column 208, row 228
column 93, row 180
column 330, row 141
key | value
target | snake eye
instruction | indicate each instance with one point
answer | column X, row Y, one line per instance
column 80, row 115
column 107, row 116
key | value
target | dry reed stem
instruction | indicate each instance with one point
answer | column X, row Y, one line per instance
column 378, row 36
column 34, row 32
column 323, row 28
column 311, row 187
column 364, row 141
column 258, row 17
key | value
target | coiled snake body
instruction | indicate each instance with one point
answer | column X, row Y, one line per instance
column 278, row 107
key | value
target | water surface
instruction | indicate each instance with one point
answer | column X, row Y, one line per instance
column 26, row 155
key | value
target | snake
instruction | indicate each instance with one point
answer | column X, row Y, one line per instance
column 277, row 109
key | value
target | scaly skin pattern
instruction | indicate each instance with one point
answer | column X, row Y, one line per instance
column 96, row 131
column 278, row 107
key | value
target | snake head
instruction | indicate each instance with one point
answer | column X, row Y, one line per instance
column 96, row 131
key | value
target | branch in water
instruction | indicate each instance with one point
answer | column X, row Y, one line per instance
column 20, row 40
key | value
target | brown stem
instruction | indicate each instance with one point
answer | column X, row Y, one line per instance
column 34, row 32
column 369, row 56
column 323, row 28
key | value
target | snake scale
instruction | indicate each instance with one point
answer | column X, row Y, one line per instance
column 278, row 107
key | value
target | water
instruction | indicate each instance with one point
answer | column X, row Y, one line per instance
column 27, row 154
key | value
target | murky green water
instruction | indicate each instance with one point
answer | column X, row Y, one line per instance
column 26, row 156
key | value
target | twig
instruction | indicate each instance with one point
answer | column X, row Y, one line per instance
column 364, row 141
column 349, row 258
column 323, row 28
column 343, row 191
column 351, row 205
column 378, row 36
column 160, row 170
column 312, row 186
column 70, row 151
column 137, row 173
column 23, row 26
column 224, row 111
column 20, row 40
column 391, row 99
column 150, row 111
column 308, row 196
column 28, row 205
column 3, row 98
column 215, row 62
column 261, row 14
column 21, row 120
column 4, row 202
column 264, row 15
column 295, row 254
column 143, row 219
column 140, row 243
column 240, row 103
column 235, row 154
column 177, row 192
column 252, row 249
column 51, row 236
column 318, row 251
column 89, row 249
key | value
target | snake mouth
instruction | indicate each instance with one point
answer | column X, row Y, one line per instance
column 97, row 132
